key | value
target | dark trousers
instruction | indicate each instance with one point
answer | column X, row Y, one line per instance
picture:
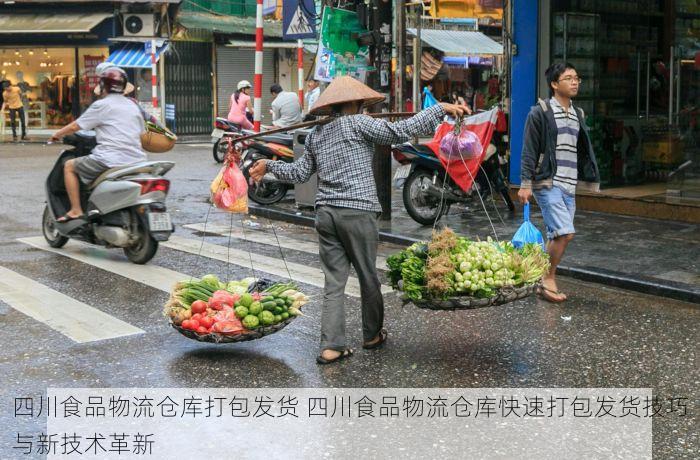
column 13, row 114
column 348, row 236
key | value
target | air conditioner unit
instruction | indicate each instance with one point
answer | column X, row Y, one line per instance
column 139, row 25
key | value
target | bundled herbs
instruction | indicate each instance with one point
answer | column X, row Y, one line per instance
column 456, row 266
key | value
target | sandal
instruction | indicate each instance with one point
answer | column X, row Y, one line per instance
column 343, row 354
column 377, row 341
column 66, row 218
column 548, row 295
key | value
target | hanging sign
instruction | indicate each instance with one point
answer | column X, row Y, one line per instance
column 298, row 19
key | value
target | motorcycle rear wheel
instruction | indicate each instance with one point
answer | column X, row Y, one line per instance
column 144, row 249
column 269, row 193
column 423, row 209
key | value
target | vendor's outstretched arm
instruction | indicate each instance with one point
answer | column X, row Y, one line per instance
column 384, row 132
column 297, row 172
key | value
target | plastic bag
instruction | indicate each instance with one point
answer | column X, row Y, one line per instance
column 527, row 233
column 464, row 145
column 229, row 190
column 428, row 98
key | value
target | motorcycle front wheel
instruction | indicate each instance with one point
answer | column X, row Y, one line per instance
column 219, row 150
column 423, row 208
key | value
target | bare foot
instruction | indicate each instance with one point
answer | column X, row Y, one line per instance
column 550, row 285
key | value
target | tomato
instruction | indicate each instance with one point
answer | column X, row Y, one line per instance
column 186, row 324
column 194, row 324
column 207, row 322
column 199, row 306
column 196, row 316
column 202, row 330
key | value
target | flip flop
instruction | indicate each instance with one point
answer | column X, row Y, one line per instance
column 546, row 294
column 344, row 354
column 66, row 218
column 383, row 334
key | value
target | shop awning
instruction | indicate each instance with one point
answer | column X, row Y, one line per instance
column 459, row 43
column 270, row 45
column 47, row 24
column 228, row 24
column 133, row 55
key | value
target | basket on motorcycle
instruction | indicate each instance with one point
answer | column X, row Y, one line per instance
column 157, row 140
column 504, row 295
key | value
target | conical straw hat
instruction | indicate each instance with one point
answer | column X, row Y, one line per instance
column 345, row 89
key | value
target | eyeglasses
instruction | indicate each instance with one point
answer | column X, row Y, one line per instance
column 572, row 79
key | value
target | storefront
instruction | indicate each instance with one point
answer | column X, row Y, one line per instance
column 467, row 64
column 640, row 65
column 52, row 58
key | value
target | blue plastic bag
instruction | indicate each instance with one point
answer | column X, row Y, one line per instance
column 428, row 98
column 527, row 233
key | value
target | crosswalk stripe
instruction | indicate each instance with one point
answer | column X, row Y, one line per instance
column 256, row 236
column 301, row 273
column 210, row 145
column 76, row 320
column 112, row 261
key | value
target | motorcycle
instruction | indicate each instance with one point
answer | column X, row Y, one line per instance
column 429, row 192
column 221, row 126
column 124, row 207
column 278, row 147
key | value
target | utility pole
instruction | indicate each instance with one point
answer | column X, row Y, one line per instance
column 417, row 46
column 400, row 36
column 380, row 25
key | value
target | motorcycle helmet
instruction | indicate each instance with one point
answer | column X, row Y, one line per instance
column 113, row 81
column 244, row 84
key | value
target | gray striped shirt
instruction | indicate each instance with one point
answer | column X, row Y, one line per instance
column 566, row 153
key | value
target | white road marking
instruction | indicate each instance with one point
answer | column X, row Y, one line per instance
column 272, row 265
column 112, row 261
column 78, row 321
column 210, row 145
column 256, row 236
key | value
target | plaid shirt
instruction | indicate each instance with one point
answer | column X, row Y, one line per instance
column 341, row 152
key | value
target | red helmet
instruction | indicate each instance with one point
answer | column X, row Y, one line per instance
column 113, row 80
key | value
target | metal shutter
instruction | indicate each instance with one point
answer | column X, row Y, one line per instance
column 188, row 85
column 236, row 64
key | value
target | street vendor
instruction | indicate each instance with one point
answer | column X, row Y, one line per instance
column 347, row 207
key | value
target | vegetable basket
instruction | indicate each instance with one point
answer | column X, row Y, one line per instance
column 503, row 296
column 214, row 337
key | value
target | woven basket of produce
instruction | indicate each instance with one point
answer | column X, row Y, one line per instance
column 455, row 273
column 157, row 140
column 208, row 310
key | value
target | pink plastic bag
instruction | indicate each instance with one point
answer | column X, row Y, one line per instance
column 463, row 146
column 229, row 190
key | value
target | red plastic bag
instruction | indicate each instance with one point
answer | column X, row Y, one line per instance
column 229, row 190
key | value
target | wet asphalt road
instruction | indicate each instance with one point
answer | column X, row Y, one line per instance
column 602, row 337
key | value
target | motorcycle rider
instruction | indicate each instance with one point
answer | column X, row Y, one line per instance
column 118, row 124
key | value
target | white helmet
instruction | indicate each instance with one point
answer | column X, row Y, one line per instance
column 101, row 67
column 244, row 84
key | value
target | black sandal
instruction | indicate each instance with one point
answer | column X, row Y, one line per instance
column 343, row 354
column 383, row 334
column 66, row 218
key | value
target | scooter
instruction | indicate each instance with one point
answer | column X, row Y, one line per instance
column 124, row 207
column 428, row 192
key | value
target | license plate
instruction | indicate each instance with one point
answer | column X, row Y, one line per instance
column 159, row 222
column 217, row 133
column 402, row 172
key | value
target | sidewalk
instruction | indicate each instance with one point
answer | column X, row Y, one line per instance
column 646, row 255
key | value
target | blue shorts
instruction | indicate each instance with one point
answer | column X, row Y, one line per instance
column 558, row 209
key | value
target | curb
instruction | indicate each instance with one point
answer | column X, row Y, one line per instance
column 642, row 284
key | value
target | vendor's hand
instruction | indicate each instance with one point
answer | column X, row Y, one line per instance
column 524, row 195
column 453, row 110
column 55, row 138
column 258, row 170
